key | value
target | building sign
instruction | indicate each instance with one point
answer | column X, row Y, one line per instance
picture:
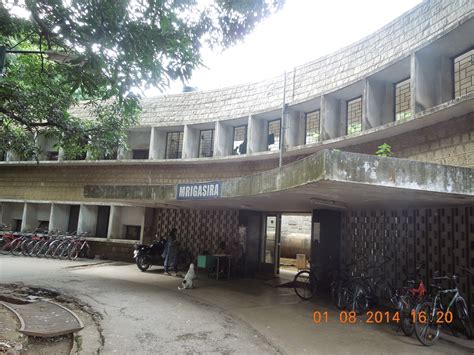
column 199, row 191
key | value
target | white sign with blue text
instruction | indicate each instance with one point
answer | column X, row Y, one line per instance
column 199, row 191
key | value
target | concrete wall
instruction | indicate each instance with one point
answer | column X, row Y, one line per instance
column 11, row 211
column 87, row 220
column 59, row 219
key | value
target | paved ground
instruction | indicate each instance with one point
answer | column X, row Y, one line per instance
column 144, row 313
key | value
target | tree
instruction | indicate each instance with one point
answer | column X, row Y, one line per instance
column 114, row 48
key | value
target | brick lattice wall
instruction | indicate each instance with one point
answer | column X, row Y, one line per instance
column 442, row 238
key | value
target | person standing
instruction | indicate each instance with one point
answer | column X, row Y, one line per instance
column 170, row 252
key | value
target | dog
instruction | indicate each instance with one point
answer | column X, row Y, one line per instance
column 188, row 279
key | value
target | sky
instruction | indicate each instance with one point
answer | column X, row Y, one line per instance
column 302, row 31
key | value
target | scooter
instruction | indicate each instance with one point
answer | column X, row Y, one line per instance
column 147, row 255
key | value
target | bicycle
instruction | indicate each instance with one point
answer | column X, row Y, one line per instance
column 79, row 247
column 304, row 284
column 430, row 315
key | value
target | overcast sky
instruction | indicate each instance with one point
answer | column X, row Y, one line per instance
column 301, row 32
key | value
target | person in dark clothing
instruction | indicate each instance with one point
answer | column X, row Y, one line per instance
column 170, row 252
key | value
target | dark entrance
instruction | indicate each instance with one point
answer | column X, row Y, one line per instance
column 73, row 218
column 326, row 244
column 103, row 214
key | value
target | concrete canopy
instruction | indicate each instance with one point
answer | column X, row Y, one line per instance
column 328, row 179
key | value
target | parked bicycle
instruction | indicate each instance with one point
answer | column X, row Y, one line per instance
column 445, row 307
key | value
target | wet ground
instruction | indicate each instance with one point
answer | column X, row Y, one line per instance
column 145, row 313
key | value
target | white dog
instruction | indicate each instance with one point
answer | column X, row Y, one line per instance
column 188, row 279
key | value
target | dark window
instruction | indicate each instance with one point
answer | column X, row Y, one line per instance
column 17, row 225
column 51, row 155
column 140, row 154
column 274, row 132
column 354, row 116
column 174, row 145
column 206, row 143
column 103, row 214
column 73, row 218
column 132, row 232
column 402, row 100
column 240, row 140
column 312, row 127
column 464, row 73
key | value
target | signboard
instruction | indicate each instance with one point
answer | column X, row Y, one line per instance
column 199, row 191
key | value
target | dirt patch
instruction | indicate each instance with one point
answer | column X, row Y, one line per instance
column 87, row 341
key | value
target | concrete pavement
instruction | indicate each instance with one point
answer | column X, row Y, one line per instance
column 144, row 313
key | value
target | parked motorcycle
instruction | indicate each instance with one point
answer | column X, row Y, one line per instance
column 148, row 255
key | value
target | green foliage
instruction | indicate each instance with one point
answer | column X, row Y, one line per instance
column 116, row 48
column 354, row 128
column 384, row 150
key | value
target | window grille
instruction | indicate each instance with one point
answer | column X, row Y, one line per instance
column 402, row 100
column 312, row 127
column 464, row 74
column 240, row 140
column 174, row 145
column 354, row 116
column 274, row 130
column 206, row 143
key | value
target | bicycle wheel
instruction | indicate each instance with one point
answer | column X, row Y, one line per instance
column 406, row 321
column 73, row 252
column 463, row 322
column 304, row 285
column 426, row 329
column 64, row 252
column 49, row 253
column 15, row 248
column 59, row 250
column 357, row 299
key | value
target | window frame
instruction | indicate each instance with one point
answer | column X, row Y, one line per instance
column 179, row 140
column 395, row 97
column 306, row 126
column 268, row 134
column 212, row 142
column 361, row 97
column 245, row 137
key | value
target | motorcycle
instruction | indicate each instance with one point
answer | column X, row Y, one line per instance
column 147, row 255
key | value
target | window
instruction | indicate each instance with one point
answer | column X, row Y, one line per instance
column 402, row 100
column 140, row 154
column 51, row 155
column 240, row 140
column 354, row 115
column 132, row 232
column 174, row 145
column 17, row 225
column 274, row 130
column 464, row 74
column 206, row 143
column 312, row 127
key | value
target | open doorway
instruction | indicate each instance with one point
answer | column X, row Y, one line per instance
column 295, row 243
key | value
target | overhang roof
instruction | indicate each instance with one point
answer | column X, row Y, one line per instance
column 329, row 179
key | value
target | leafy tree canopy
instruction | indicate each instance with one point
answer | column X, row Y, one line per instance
column 109, row 49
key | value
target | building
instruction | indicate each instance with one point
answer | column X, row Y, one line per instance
column 208, row 162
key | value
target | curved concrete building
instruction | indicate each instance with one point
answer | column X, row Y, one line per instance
column 209, row 162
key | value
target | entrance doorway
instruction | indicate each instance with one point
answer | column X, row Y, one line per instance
column 286, row 244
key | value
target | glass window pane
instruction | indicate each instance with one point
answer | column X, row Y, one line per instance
column 402, row 100
column 240, row 140
column 464, row 74
column 312, row 127
column 354, row 116
column 274, row 134
column 206, row 143
column 174, row 145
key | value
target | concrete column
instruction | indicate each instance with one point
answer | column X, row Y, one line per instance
column 332, row 123
column 87, row 219
column 114, row 231
column 29, row 217
column 257, row 139
column 295, row 127
column 59, row 218
column 223, row 140
column 157, row 144
column 190, row 142
column 379, row 103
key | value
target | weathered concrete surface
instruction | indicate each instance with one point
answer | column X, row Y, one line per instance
column 363, row 174
column 144, row 313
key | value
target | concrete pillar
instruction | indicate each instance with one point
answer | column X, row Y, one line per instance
column 157, row 144
column 87, row 219
column 223, row 140
column 190, row 142
column 257, row 138
column 379, row 103
column 114, row 231
column 433, row 80
column 332, row 123
column 59, row 218
column 295, row 127
column 29, row 218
